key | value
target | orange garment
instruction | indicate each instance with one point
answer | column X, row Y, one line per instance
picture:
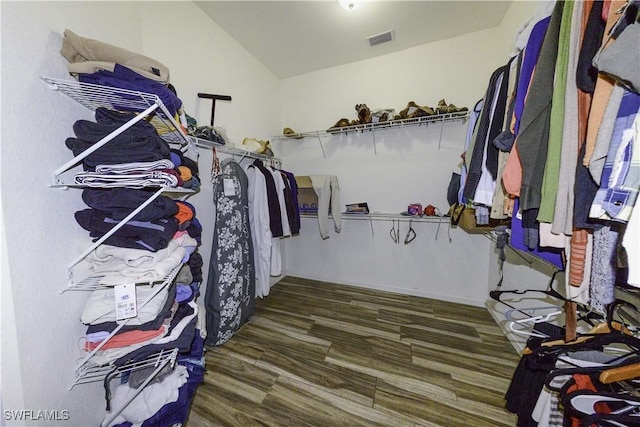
column 583, row 382
column 604, row 86
column 185, row 213
column 127, row 338
column 578, row 256
column 512, row 175
column 185, row 173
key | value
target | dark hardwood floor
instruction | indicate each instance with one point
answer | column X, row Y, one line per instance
column 323, row 354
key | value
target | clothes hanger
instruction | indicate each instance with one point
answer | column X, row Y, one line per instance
column 620, row 373
column 582, row 404
column 215, row 164
column 517, row 326
column 614, row 365
column 395, row 234
column 608, row 326
column 411, row 234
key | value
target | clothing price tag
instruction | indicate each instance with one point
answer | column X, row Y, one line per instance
column 125, row 301
column 229, row 188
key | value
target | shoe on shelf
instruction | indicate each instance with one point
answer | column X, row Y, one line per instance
column 410, row 108
column 364, row 114
column 422, row 112
column 290, row 133
column 341, row 123
column 414, row 110
column 454, row 109
column 442, row 107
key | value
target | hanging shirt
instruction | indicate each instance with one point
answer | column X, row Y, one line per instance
column 260, row 229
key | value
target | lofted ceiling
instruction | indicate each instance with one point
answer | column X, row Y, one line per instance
column 296, row 37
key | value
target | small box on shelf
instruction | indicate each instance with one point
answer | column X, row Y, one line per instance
column 468, row 222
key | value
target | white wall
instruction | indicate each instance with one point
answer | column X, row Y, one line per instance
column 41, row 233
column 411, row 165
column 40, row 342
column 203, row 58
column 206, row 59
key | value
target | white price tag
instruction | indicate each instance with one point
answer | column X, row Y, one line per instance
column 125, row 301
column 229, row 188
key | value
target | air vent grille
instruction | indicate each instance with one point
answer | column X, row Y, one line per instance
column 387, row 36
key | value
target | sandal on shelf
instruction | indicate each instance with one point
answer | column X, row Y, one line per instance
column 364, row 114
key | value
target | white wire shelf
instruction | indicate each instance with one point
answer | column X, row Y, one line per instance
column 85, row 362
column 92, row 373
column 95, row 96
column 205, row 143
column 390, row 124
column 91, row 283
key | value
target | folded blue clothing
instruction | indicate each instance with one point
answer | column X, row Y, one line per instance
column 117, row 203
column 147, row 235
column 92, row 132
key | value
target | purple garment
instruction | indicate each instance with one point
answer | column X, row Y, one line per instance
column 125, row 78
column 531, row 53
column 550, row 255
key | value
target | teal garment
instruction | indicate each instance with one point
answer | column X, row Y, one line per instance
column 549, row 188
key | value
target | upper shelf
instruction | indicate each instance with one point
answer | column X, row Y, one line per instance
column 390, row 124
column 95, row 96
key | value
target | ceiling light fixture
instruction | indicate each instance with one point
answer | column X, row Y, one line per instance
column 347, row 4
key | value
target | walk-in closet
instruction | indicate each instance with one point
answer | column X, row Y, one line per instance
column 320, row 213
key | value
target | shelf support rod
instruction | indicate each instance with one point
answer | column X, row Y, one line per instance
column 373, row 135
column 441, row 129
column 103, row 141
column 322, row 147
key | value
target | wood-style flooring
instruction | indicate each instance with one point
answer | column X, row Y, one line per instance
column 323, row 354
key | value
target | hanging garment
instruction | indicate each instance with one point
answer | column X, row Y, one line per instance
column 275, row 216
column 533, row 135
column 260, row 229
column 230, row 294
column 328, row 191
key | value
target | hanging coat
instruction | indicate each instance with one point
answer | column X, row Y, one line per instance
column 230, row 294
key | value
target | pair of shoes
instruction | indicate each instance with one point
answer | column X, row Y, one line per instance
column 443, row 108
column 364, row 114
column 414, row 110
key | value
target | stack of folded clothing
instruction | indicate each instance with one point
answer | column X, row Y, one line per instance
column 156, row 249
column 168, row 401
column 136, row 158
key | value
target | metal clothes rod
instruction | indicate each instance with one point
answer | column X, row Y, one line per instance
column 388, row 217
column 203, row 143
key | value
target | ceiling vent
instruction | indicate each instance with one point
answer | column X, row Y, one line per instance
column 387, row 36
